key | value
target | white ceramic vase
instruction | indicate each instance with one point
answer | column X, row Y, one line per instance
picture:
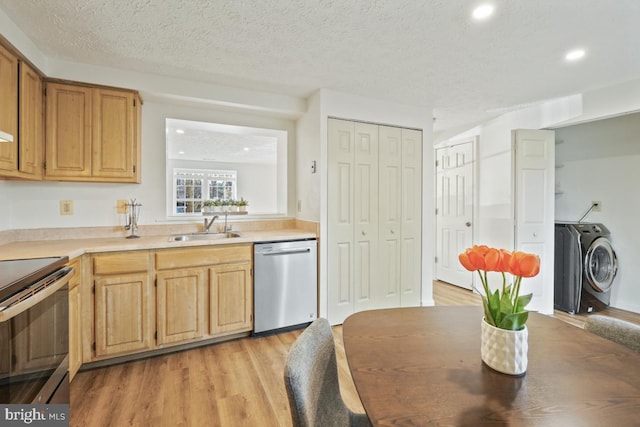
column 504, row 350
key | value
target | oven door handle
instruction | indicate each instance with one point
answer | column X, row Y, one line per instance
column 32, row 295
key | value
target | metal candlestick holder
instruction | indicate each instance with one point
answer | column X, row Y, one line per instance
column 133, row 213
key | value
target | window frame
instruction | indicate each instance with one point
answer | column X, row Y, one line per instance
column 208, row 176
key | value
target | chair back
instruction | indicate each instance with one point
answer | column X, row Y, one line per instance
column 620, row 331
column 311, row 379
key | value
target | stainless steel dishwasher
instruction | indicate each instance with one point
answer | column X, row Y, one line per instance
column 285, row 285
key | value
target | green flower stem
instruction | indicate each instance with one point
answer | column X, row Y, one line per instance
column 516, row 293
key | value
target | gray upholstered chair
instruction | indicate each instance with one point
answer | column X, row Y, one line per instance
column 617, row 330
column 311, row 380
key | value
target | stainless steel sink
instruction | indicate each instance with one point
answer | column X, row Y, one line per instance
column 202, row 236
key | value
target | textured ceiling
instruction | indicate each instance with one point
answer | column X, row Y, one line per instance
column 420, row 52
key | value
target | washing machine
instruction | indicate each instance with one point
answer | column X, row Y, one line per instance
column 585, row 266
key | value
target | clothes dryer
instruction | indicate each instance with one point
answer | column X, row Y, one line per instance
column 585, row 266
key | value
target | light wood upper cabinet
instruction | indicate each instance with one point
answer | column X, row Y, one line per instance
column 31, row 142
column 92, row 134
column 68, row 132
column 115, row 142
column 8, row 110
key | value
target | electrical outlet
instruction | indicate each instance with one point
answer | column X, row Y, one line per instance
column 66, row 207
column 597, row 205
column 122, row 206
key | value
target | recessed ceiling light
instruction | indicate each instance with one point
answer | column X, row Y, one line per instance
column 575, row 54
column 180, row 152
column 180, row 131
column 246, row 148
column 483, row 12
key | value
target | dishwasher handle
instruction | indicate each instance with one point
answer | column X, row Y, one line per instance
column 287, row 251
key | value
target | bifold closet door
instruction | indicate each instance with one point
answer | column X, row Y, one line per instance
column 340, row 219
column 390, row 183
column 411, row 218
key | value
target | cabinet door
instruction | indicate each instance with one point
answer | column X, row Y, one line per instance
column 75, row 319
column 75, row 337
column 31, row 123
column 8, row 109
column 180, row 305
column 123, row 313
column 114, row 135
column 68, row 132
column 231, row 298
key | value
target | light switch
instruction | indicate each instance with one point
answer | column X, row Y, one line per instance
column 313, row 166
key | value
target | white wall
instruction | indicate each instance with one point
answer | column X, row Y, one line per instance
column 601, row 161
column 494, row 219
column 36, row 204
column 5, row 207
column 494, row 214
column 308, row 131
column 327, row 103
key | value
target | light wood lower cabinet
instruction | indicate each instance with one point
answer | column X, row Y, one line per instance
column 75, row 319
column 199, row 294
column 231, row 298
column 181, row 305
column 124, row 312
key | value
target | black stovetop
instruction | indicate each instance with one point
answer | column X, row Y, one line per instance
column 18, row 273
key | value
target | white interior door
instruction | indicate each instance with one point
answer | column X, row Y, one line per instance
column 534, row 152
column 454, row 211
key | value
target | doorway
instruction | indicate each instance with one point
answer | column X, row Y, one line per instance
column 454, row 211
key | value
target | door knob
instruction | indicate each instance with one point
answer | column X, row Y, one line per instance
column 468, row 224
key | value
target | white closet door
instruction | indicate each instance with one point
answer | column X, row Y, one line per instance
column 340, row 219
column 390, row 180
column 411, row 225
column 534, row 209
column 365, row 194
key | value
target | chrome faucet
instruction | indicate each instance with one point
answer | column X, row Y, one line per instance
column 208, row 224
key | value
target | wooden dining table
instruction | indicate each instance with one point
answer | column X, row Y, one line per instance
column 421, row 366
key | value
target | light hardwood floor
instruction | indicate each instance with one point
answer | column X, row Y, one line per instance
column 236, row 383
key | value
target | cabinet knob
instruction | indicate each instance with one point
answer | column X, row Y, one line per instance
column 392, row 231
column 468, row 223
column 364, row 233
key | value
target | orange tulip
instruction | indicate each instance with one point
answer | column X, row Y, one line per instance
column 504, row 260
column 492, row 260
column 524, row 264
column 466, row 263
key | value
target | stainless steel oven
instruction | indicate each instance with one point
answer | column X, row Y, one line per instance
column 34, row 331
